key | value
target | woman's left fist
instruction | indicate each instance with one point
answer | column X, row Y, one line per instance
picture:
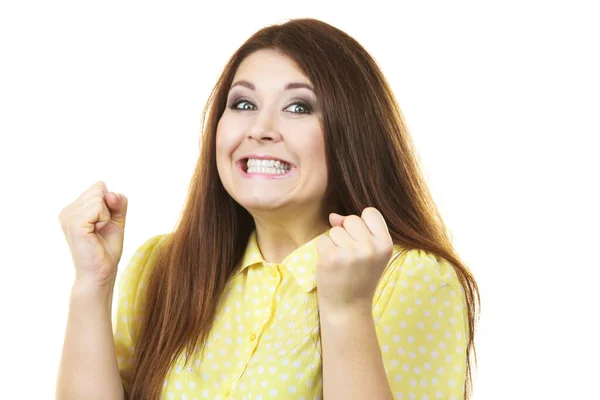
column 352, row 257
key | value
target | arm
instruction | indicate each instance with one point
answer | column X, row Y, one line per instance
column 411, row 346
column 88, row 367
column 352, row 364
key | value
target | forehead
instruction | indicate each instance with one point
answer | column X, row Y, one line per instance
column 268, row 65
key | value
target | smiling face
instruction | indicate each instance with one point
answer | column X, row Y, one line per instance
column 272, row 114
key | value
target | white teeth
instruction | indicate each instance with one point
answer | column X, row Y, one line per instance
column 267, row 170
column 276, row 165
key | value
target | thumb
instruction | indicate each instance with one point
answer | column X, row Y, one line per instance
column 118, row 208
column 336, row 219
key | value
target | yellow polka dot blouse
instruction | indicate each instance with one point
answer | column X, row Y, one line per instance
column 265, row 343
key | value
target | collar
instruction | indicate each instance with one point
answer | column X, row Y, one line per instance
column 302, row 262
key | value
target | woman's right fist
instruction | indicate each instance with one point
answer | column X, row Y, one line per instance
column 94, row 227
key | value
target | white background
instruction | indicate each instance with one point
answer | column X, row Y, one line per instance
column 502, row 99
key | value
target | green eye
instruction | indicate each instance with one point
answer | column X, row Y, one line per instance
column 245, row 102
column 303, row 106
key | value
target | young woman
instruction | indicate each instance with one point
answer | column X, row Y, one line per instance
column 310, row 261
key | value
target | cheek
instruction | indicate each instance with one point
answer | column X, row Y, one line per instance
column 225, row 140
column 315, row 145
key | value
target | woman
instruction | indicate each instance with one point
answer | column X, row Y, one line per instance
column 310, row 260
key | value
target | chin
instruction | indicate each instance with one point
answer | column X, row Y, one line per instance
column 263, row 204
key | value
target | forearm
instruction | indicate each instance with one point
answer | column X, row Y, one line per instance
column 88, row 367
column 352, row 362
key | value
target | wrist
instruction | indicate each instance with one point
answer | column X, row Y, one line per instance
column 344, row 314
column 84, row 289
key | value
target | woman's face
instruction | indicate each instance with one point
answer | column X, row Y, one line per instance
column 270, row 145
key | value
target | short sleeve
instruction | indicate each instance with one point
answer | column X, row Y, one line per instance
column 131, row 297
column 422, row 327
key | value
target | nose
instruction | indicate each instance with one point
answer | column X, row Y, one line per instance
column 264, row 127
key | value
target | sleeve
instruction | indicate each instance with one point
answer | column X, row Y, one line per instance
column 421, row 323
column 132, row 284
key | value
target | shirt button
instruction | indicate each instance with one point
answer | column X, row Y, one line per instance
column 227, row 392
column 252, row 337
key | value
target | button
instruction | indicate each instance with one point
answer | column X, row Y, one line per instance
column 252, row 337
column 227, row 392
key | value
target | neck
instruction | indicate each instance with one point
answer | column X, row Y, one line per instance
column 277, row 238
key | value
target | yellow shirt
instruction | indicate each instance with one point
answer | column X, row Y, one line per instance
column 265, row 343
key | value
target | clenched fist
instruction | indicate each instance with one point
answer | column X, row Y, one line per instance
column 94, row 227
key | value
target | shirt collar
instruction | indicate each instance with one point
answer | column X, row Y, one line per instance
column 302, row 262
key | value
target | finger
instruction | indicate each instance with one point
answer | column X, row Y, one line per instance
column 95, row 216
column 356, row 228
column 375, row 222
column 98, row 188
column 340, row 237
column 336, row 219
column 323, row 245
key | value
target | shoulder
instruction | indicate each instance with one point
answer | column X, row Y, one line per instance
column 416, row 270
column 139, row 266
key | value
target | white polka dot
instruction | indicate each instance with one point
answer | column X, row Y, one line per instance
column 273, row 392
column 192, row 384
column 178, row 385
column 413, row 383
column 397, row 378
column 292, row 389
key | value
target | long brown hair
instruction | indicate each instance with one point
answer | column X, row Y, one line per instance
column 363, row 126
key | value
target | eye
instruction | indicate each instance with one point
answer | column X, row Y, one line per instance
column 302, row 106
column 245, row 103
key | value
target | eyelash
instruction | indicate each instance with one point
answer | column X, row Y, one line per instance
column 234, row 105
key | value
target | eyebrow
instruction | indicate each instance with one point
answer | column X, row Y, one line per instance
column 289, row 86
